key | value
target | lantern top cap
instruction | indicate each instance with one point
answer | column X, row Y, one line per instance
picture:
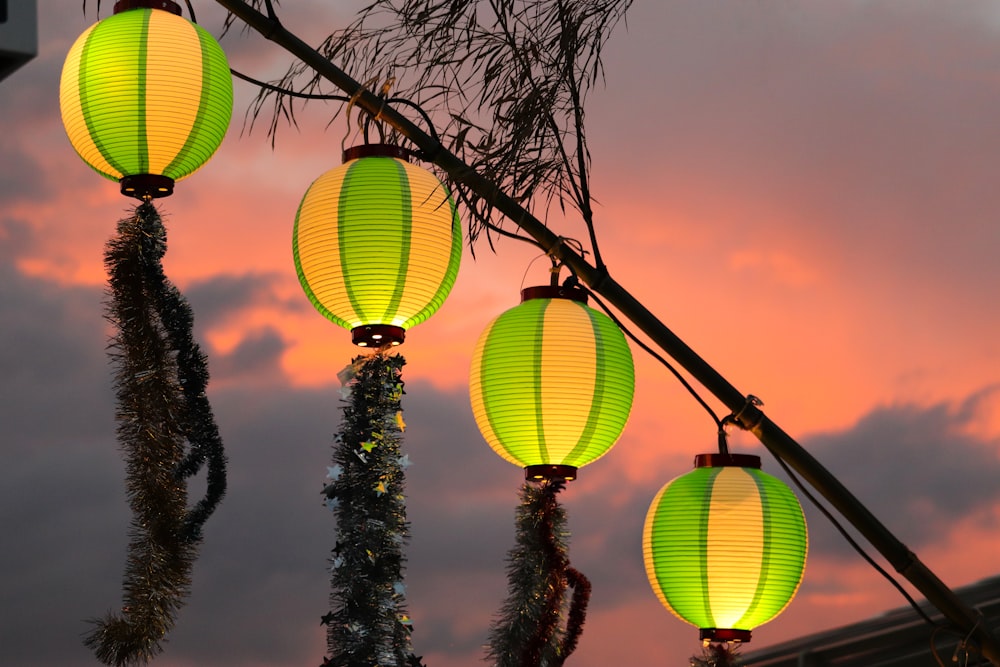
column 376, row 150
column 165, row 5
column 553, row 292
column 717, row 460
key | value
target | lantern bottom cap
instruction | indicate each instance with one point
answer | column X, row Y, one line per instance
column 377, row 335
column 724, row 635
column 550, row 471
column 147, row 186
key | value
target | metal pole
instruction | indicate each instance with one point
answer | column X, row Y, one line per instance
column 749, row 415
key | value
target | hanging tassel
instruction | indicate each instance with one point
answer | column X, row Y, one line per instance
column 528, row 633
column 160, row 382
column 368, row 624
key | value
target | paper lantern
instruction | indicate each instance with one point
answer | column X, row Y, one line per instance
column 725, row 546
column 146, row 96
column 551, row 383
column 377, row 244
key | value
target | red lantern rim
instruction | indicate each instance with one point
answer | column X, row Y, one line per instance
column 147, row 186
column 724, row 635
column 553, row 292
column 165, row 5
column 717, row 460
column 376, row 150
column 377, row 335
column 550, row 471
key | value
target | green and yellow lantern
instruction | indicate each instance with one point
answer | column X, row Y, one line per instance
column 725, row 546
column 146, row 96
column 377, row 244
column 551, row 383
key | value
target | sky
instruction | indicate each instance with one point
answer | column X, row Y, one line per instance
column 805, row 192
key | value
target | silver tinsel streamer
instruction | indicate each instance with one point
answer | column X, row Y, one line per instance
column 368, row 624
column 160, row 382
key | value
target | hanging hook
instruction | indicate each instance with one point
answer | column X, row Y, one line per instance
column 350, row 107
column 724, row 434
column 554, row 272
column 749, row 417
column 963, row 646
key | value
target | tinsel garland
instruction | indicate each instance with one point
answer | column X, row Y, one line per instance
column 717, row 654
column 160, row 381
column 368, row 625
column 527, row 634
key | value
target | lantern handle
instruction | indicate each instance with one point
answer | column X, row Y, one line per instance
column 724, row 435
column 376, row 117
column 737, row 418
column 427, row 155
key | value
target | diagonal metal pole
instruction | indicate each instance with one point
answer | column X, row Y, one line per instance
column 779, row 443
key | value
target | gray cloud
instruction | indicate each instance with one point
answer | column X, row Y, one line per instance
column 264, row 555
column 770, row 101
column 261, row 582
column 257, row 356
column 916, row 468
column 53, row 348
column 22, row 178
column 222, row 297
column 16, row 239
column 63, row 492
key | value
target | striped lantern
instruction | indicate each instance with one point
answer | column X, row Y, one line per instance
column 377, row 244
column 551, row 383
column 146, row 96
column 725, row 546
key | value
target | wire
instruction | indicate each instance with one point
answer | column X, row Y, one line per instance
column 721, row 423
column 427, row 156
column 286, row 91
column 431, row 130
column 937, row 657
column 850, row 540
column 651, row 352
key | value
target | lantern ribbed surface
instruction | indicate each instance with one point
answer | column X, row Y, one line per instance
column 377, row 240
column 551, row 383
column 725, row 547
column 146, row 92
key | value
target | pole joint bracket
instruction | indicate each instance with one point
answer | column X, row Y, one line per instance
column 749, row 417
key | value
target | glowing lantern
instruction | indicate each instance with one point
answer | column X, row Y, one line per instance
column 146, row 96
column 551, row 383
column 377, row 244
column 725, row 546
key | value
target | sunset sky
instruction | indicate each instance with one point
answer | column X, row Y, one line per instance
column 805, row 192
